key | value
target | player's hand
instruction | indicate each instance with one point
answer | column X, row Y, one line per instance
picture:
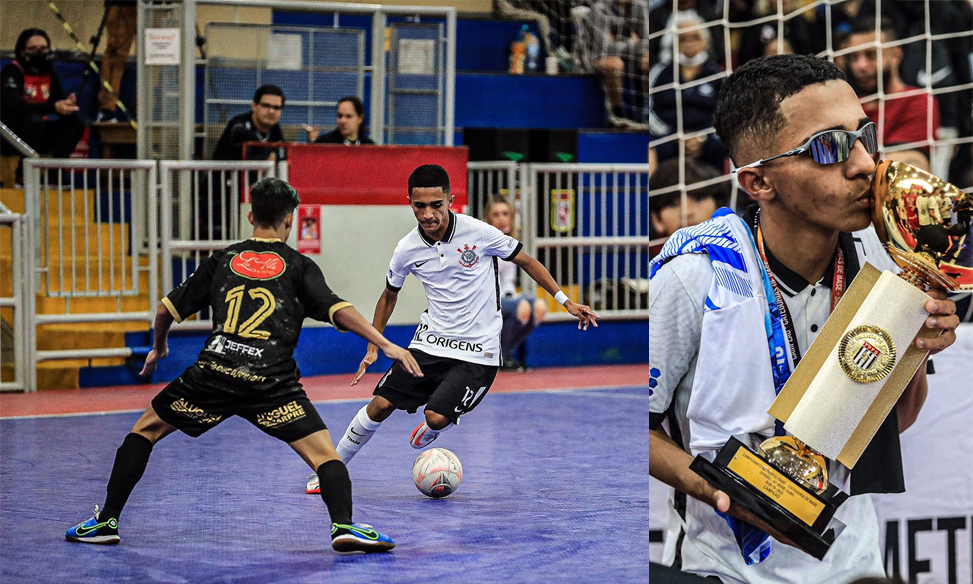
column 152, row 359
column 404, row 358
column 583, row 313
column 942, row 317
column 312, row 132
column 370, row 357
column 722, row 503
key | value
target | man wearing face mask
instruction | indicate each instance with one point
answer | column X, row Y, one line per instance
column 693, row 62
column 33, row 103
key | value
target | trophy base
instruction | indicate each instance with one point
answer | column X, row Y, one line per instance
column 802, row 515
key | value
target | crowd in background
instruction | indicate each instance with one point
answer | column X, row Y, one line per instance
column 893, row 83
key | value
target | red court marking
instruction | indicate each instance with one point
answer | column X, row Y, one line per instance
column 321, row 388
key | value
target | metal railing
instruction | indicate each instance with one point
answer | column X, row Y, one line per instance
column 16, row 307
column 94, row 232
column 208, row 199
column 17, row 142
column 589, row 224
column 486, row 179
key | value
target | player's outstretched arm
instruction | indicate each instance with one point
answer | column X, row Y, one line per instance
column 160, row 345
column 352, row 320
column 539, row 274
column 383, row 311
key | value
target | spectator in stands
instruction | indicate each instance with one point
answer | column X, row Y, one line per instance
column 32, row 101
column 351, row 125
column 121, row 24
column 260, row 124
column 660, row 18
column 760, row 40
column 698, row 101
column 904, row 119
column 521, row 312
column 620, row 31
column 665, row 211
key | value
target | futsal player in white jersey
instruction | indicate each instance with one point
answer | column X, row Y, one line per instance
column 719, row 293
column 457, row 342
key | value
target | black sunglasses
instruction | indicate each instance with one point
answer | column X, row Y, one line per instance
column 829, row 146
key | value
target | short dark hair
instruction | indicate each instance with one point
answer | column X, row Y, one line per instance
column 269, row 89
column 667, row 175
column 429, row 176
column 25, row 36
column 748, row 108
column 271, row 200
column 355, row 103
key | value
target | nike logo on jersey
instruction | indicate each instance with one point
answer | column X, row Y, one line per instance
column 420, row 264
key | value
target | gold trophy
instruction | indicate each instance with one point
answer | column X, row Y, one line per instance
column 858, row 366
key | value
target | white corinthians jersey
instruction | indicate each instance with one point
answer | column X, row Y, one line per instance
column 459, row 274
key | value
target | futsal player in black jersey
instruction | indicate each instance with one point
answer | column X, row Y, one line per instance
column 260, row 291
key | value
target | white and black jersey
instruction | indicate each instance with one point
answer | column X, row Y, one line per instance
column 460, row 276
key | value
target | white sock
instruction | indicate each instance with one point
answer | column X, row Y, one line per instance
column 359, row 432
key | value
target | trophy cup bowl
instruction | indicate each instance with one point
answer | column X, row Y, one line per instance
column 796, row 460
column 925, row 224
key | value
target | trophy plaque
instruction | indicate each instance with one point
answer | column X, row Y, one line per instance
column 850, row 378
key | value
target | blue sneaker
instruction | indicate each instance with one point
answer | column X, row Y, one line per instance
column 358, row 537
column 95, row 531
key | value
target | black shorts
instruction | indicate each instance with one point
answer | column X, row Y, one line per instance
column 449, row 387
column 194, row 408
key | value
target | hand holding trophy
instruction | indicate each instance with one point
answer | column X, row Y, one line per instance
column 854, row 372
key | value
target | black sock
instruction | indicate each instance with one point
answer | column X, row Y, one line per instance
column 336, row 490
column 130, row 460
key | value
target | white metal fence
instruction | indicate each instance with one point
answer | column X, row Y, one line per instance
column 96, row 230
column 209, row 200
column 589, row 224
column 94, row 226
column 15, row 305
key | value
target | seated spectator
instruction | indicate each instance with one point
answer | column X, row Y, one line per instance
column 351, row 125
column 260, row 124
column 761, row 40
column 521, row 312
column 660, row 18
column 903, row 119
column 33, row 103
column 698, row 101
column 665, row 211
column 620, row 31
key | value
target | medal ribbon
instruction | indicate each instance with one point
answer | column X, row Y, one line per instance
column 781, row 318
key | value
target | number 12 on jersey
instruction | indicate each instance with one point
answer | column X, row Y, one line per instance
column 234, row 298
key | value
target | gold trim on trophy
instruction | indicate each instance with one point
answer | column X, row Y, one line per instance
column 867, row 353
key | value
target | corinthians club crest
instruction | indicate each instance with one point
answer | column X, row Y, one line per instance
column 867, row 353
column 468, row 257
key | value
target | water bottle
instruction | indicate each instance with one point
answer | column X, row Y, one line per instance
column 533, row 53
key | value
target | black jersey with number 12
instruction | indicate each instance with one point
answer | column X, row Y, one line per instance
column 260, row 292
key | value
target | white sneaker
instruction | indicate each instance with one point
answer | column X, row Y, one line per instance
column 313, row 485
column 422, row 436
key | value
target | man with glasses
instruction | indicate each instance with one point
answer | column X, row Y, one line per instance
column 260, row 124
column 735, row 302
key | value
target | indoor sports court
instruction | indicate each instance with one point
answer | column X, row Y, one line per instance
column 552, row 490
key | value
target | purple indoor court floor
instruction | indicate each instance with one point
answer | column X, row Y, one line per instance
column 554, row 490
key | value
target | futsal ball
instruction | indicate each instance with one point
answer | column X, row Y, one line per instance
column 437, row 472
